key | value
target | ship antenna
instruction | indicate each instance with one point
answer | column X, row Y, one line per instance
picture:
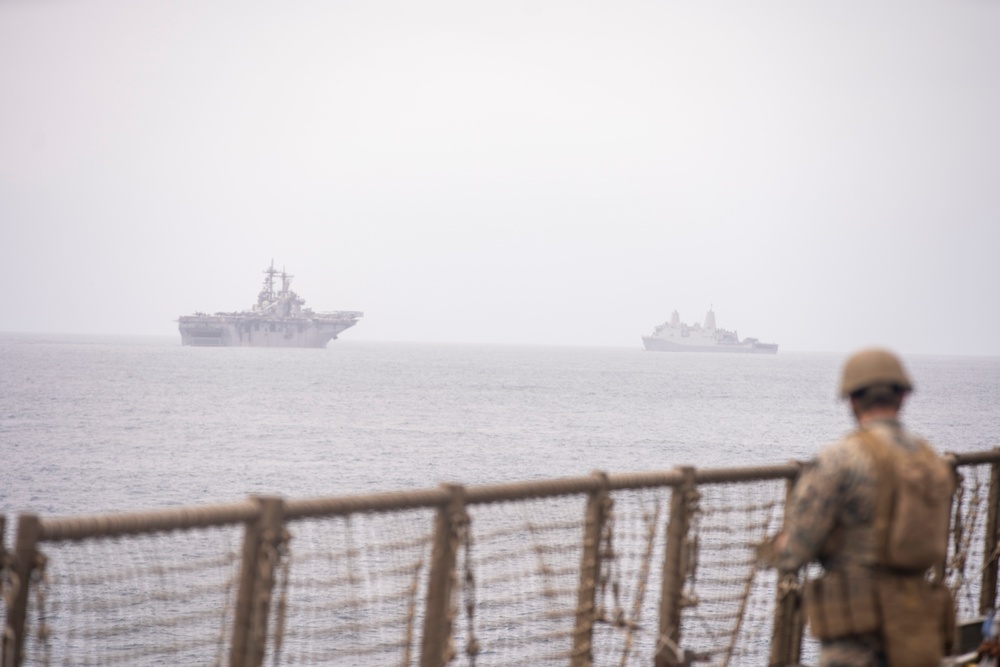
column 269, row 281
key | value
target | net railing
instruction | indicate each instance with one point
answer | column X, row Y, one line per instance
column 628, row 592
column 627, row 569
column 730, row 599
column 966, row 563
column 350, row 590
column 151, row 599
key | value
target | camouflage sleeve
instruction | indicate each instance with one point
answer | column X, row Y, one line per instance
column 812, row 510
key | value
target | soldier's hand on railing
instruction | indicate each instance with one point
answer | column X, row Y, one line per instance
column 767, row 551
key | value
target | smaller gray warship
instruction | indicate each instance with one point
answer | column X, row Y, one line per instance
column 277, row 320
column 675, row 336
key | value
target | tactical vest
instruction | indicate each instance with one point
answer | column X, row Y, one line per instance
column 912, row 506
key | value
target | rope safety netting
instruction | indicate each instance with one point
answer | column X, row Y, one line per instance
column 134, row 600
column 352, row 587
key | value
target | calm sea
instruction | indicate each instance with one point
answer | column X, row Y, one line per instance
column 92, row 424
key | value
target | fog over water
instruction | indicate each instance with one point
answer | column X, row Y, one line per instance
column 544, row 172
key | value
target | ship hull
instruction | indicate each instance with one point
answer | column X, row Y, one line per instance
column 234, row 331
column 655, row 344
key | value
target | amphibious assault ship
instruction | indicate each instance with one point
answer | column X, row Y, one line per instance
column 277, row 320
column 675, row 336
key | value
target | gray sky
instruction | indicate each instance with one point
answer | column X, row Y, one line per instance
column 827, row 175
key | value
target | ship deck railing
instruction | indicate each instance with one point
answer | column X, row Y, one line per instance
column 657, row 567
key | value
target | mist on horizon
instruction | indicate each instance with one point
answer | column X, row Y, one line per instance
column 823, row 177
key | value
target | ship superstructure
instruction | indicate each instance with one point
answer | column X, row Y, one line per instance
column 675, row 336
column 278, row 319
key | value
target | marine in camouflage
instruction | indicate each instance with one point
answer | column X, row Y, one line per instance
column 830, row 518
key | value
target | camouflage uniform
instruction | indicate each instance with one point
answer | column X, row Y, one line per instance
column 840, row 491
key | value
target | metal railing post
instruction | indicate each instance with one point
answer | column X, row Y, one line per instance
column 6, row 560
column 29, row 530
column 786, row 633
column 5, row 557
column 668, row 652
column 598, row 508
column 437, row 647
column 261, row 544
column 988, row 591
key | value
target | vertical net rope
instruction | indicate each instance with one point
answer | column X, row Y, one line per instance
column 519, row 583
column 350, row 590
column 965, row 554
column 729, row 601
column 625, row 616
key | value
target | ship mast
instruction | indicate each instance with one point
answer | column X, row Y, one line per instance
column 267, row 294
column 286, row 281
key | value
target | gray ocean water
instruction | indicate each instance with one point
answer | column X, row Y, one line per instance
column 96, row 424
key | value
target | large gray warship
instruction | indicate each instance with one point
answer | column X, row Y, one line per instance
column 277, row 320
column 675, row 336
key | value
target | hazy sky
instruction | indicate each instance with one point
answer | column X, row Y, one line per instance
column 827, row 175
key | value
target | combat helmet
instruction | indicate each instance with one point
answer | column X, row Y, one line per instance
column 873, row 366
